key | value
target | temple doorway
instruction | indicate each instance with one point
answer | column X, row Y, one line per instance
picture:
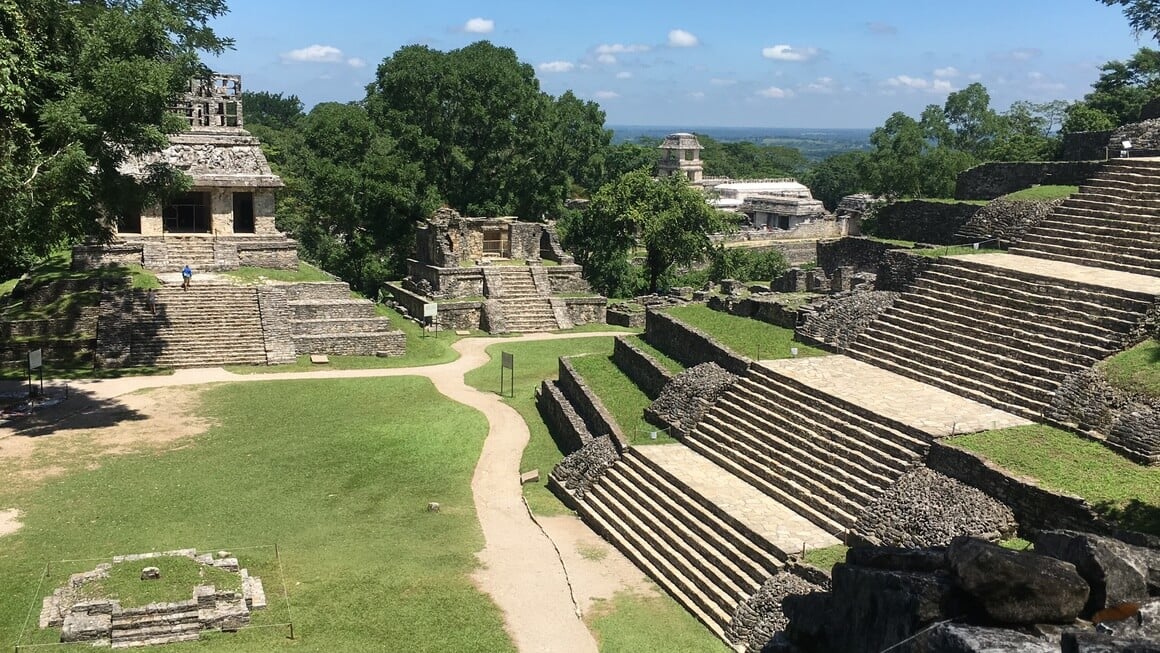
column 188, row 213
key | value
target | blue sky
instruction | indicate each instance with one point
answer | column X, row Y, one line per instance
column 696, row 64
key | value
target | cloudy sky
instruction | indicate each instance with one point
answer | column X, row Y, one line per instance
column 771, row 63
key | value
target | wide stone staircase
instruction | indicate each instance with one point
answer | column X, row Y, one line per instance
column 998, row 335
column 165, row 623
column 703, row 557
column 1112, row 222
column 824, row 458
column 326, row 319
column 527, row 308
column 210, row 324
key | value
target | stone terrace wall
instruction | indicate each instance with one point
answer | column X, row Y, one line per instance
column 278, row 256
column 561, row 418
column 834, row 322
column 587, row 405
column 923, row 221
column 991, row 180
column 1035, row 508
column 766, row 308
column 1129, row 421
column 586, row 310
column 863, row 254
column 276, row 331
column 644, row 370
column 689, row 345
column 899, row 269
column 1083, row 146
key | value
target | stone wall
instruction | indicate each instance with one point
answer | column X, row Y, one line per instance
column 1006, row 220
column 644, row 370
column 863, row 254
column 624, row 317
column 85, row 322
column 796, row 252
column 567, row 279
column 275, row 314
column 1035, row 508
column 588, row 406
column 991, row 180
column 1129, row 421
column 834, row 322
column 91, row 257
column 277, row 256
column 564, row 423
column 923, row 221
column 525, row 240
column 442, row 283
column 684, row 401
column 585, row 310
column 1145, row 137
column 1084, row 146
column 389, row 343
column 688, row 345
column 765, row 308
column 899, row 269
column 114, row 326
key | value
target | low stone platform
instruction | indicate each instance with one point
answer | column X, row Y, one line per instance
column 780, row 526
column 927, row 408
column 1114, row 279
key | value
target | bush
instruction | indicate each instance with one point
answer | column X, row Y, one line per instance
column 746, row 265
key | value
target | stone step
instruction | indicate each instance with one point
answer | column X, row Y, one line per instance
column 341, row 326
column 722, row 450
column 1100, row 200
column 1115, row 236
column 1127, row 300
column 1083, row 258
column 1078, row 219
column 875, row 460
column 719, row 579
column 1143, row 257
column 749, row 547
column 636, row 548
column 994, row 395
column 787, row 460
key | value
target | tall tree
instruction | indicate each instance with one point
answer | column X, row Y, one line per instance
column 489, row 140
column 667, row 217
column 83, row 86
column 1143, row 15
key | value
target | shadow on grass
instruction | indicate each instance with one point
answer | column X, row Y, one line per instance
column 1136, row 515
column 61, row 410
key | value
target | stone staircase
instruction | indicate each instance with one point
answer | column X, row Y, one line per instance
column 206, row 326
column 326, row 319
column 999, row 336
column 527, row 308
column 700, row 555
column 1112, row 222
column 156, row 624
column 824, row 458
column 198, row 252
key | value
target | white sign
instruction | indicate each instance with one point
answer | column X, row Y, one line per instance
column 35, row 359
column 430, row 310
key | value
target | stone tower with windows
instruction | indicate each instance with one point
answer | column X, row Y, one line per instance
column 226, row 219
column 681, row 154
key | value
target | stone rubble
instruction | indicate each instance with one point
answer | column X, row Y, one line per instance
column 684, row 400
column 580, row 469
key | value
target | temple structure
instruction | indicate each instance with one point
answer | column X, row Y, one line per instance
column 226, row 219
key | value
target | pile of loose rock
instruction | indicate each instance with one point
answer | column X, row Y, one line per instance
column 759, row 619
column 1130, row 421
column 1007, row 220
column 685, row 399
column 838, row 319
column 580, row 469
column 1078, row 592
column 925, row 508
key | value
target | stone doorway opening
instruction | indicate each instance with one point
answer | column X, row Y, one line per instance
column 188, row 213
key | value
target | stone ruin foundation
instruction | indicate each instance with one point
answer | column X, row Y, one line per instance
column 103, row 622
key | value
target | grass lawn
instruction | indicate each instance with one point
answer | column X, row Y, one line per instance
column 1042, row 193
column 1137, row 369
column 671, row 365
column 534, row 362
column 620, row 396
column 338, row 473
column 747, row 337
column 305, row 272
column 632, row 624
column 1118, row 488
column 826, row 558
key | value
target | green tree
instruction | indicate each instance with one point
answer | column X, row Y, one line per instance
column 838, row 176
column 748, row 160
column 1080, row 117
column 488, row 139
column 83, row 86
column 1124, row 87
column 897, row 157
column 271, row 109
column 972, row 122
column 1143, row 15
column 667, row 217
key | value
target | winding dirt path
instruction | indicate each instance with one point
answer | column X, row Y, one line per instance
column 520, row 568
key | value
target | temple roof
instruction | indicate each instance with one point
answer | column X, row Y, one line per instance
column 681, row 141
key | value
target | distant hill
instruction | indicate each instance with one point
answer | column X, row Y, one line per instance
column 815, row 144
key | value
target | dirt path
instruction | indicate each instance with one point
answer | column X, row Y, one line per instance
column 520, row 567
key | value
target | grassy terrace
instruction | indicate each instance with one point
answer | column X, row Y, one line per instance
column 660, row 357
column 1118, row 488
column 620, row 396
column 305, row 273
column 747, row 337
column 1137, row 369
column 1043, row 193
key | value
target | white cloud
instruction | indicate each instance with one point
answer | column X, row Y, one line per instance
column 784, row 52
column 606, row 58
column 920, row 84
column 974, row 77
column 1041, row 82
column 620, row 48
column 721, row 81
column 479, row 26
column 823, row 85
column 946, row 73
column 1018, row 54
column 697, row 95
column 556, row 67
column 775, row 92
column 356, row 62
column 679, row 38
column 314, row 54
column 606, row 95
column 624, row 74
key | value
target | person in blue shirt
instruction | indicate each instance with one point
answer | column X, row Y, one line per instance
column 186, row 274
